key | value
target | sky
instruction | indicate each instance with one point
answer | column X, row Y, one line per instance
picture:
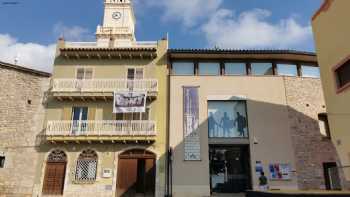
column 29, row 29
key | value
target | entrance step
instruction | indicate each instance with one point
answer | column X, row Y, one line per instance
column 229, row 195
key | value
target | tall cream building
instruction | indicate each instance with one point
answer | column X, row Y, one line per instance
column 105, row 125
column 331, row 31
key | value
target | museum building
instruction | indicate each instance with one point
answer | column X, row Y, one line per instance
column 236, row 113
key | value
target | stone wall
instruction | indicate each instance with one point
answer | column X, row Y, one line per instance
column 21, row 118
column 305, row 100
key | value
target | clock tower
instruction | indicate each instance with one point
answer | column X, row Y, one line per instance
column 118, row 29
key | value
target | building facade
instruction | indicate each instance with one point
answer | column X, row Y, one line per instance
column 236, row 113
column 332, row 45
column 22, row 113
column 105, row 124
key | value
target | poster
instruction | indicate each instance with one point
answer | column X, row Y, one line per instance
column 280, row 171
column 128, row 102
column 227, row 119
column 258, row 168
column 191, row 123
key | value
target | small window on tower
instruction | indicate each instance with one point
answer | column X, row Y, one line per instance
column 2, row 162
column 324, row 125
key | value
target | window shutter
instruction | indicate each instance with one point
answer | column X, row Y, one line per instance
column 88, row 73
column 67, row 113
column 92, row 113
column 139, row 73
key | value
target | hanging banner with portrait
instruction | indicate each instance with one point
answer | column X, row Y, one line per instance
column 191, row 123
column 129, row 102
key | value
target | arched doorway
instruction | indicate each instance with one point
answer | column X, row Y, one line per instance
column 136, row 173
column 55, row 173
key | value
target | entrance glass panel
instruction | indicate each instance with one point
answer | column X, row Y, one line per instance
column 229, row 169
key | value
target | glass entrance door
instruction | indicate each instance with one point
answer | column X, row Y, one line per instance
column 229, row 169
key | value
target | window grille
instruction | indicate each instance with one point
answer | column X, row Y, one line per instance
column 57, row 156
column 86, row 169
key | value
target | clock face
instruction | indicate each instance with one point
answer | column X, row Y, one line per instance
column 117, row 15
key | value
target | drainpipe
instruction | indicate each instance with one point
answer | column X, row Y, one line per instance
column 168, row 188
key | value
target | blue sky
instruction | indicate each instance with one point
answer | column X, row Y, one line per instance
column 31, row 28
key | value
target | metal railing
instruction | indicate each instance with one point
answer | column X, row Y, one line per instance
column 104, row 85
column 101, row 128
column 80, row 44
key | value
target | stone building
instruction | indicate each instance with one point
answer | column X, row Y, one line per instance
column 235, row 113
column 22, row 113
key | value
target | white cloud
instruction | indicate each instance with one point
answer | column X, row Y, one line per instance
column 30, row 55
column 73, row 33
column 35, row 55
column 188, row 12
column 252, row 30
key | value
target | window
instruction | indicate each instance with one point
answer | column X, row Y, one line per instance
column 310, row 71
column 86, row 169
column 209, row 69
column 343, row 74
column 84, row 73
column 2, row 161
column 235, row 69
column 227, row 119
column 262, row 69
column 287, row 70
column 79, row 118
column 324, row 126
column 135, row 73
column 183, row 68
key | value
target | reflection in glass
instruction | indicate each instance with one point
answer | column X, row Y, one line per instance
column 227, row 119
column 183, row 68
column 235, row 69
column 310, row 71
column 287, row 70
column 262, row 69
column 209, row 69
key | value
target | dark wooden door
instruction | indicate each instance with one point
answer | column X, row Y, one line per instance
column 127, row 177
column 54, row 178
column 150, row 174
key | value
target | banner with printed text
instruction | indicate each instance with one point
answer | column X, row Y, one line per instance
column 129, row 102
column 191, row 123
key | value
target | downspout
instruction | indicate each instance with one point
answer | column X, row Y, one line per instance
column 168, row 192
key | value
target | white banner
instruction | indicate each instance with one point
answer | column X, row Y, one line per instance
column 128, row 102
column 192, row 146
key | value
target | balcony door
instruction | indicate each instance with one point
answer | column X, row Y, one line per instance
column 132, row 75
column 79, row 119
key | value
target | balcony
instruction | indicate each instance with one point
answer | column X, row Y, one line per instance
column 101, row 131
column 76, row 88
